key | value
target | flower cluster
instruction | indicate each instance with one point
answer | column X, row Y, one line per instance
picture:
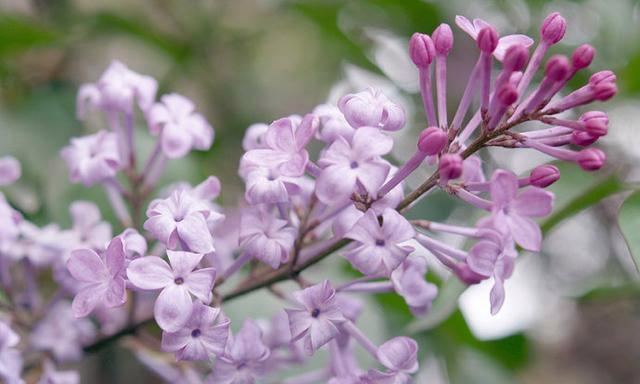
column 172, row 264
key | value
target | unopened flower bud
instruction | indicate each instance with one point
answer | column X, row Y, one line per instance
column 604, row 91
column 596, row 123
column 583, row 56
column 583, row 138
column 544, row 175
column 467, row 276
column 432, row 140
column 553, row 28
column 516, row 57
column 557, row 68
column 450, row 166
column 507, row 94
column 443, row 39
column 591, row 159
column 421, row 50
column 600, row 77
column 488, row 39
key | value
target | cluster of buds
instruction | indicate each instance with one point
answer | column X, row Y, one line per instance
column 296, row 211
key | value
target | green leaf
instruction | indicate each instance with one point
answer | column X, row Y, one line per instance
column 20, row 33
column 629, row 222
column 591, row 196
column 444, row 305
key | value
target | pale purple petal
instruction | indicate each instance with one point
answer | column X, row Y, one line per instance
column 194, row 233
column 533, row 202
column 200, row 283
column 183, row 262
column 504, row 186
column 85, row 265
column 525, row 232
column 173, row 308
column 150, row 273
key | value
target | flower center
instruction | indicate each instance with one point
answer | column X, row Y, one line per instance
column 195, row 333
column 315, row 312
column 354, row 164
column 178, row 280
column 380, row 242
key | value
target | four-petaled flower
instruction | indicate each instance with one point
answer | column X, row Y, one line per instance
column 266, row 238
column 409, row 282
column 93, row 158
column 245, row 358
column 371, row 108
column 353, row 167
column 179, row 127
column 514, row 210
column 203, row 337
column 180, row 221
column 103, row 278
column 376, row 248
column 178, row 281
column 400, row 356
column 285, row 146
column 317, row 319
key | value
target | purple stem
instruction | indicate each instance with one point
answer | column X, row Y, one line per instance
column 532, row 67
column 441, row 89
column 370, row 287
column 402, row 173
column 236, row 265
column 427, row 97
column 361, row 338
column 117, row 202
column 474, row 200
column 438, row 246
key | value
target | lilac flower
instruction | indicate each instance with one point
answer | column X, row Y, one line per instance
column 348, row 166
column 62, row 334
column 117, row 90
column 400, row 356
column 10, row 358
column 515, row 210
column 493, row 255
column 92, row 159
column 102, row 278
column 10, row 170
column 179, row 127
column 244, row 360
column 266, row 186
column 266, row 238
column 285, row 146
column 254, row 136
column 376, row 248
column 332, row 124
column 53, row 376
column 135, row 246
column 9, row 223
column 371, row 108
column 317, row 318
column 473, row 29
column 202, row 337
column 177, row 281
column 180, row 221
column 88, row 228
column 409, row 282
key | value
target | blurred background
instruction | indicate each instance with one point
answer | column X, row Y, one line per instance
column 572, row 313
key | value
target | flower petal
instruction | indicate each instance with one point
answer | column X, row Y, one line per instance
column 201, row 282
column 533, row 202
column 85, row 265
column 150, row 272
column 173, row 308
column 525, row 232
column 194, row 233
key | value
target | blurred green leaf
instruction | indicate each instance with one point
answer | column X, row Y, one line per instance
column 591, row 196
column 629, row 221
column 21, row 33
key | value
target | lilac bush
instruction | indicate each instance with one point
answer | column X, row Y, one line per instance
column 172, row 265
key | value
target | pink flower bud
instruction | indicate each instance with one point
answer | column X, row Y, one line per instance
column 557, row 68
column 450, row 166
column 596, row 123
column 553, row 28
column 544, row 175
column 432, row 140
column 421, row 50
column 488, row 39
column 443, row 39
column 507, row 94
column 516, row 57
column 583, row 56
column 604, row 91
column 583, row 139
column 591, row 159
column 605, row 76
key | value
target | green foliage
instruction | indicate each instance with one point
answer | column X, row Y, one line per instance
column 629, row 221
column 21, row 33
